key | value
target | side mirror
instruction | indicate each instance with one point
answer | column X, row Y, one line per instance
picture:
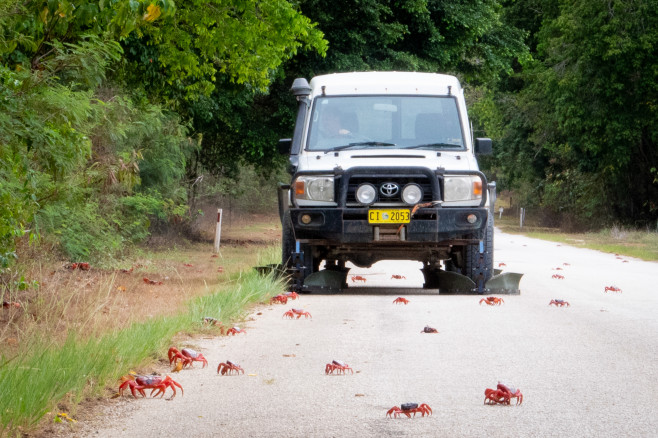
column 284, row 145
column 483, row 146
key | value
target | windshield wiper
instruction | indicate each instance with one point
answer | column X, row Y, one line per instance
column 432, row 145
column 361, row 143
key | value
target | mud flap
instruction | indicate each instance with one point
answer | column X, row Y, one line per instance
column 454, row 283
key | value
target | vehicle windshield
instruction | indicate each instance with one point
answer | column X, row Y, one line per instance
column 391, row 122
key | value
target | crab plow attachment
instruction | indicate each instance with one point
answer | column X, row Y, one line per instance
column 333, row 281
column 503, row 283
column 326, row 280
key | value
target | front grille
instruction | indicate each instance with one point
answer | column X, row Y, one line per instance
column 377, row 181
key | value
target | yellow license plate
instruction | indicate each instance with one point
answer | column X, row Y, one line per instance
column 389, row 216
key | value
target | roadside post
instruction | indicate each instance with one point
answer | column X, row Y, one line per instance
column 521, row 217
column 218, row 229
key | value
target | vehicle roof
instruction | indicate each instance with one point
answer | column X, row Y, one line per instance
column 385, row 83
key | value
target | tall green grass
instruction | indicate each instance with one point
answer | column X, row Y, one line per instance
column 32, row 385
column 229, row 305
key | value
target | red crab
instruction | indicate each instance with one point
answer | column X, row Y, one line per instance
column 400, row 300
column 155, row 383
column 290, row 314
column 282, row 299
column 187, row 356
column 500, row 265
column 612, row 289
column 291, row 295
column 8, row 304
column 566, row 264
column 492, row 301
column 557, row 269
column 558, row 276
column 147, row 281
column 502, row 395
column 234, row 331
column 338, row 366
column 356, row 278
column 408, row 409
column 228, row 367
column 429, row 329
column 559, row 303
column 398, row 277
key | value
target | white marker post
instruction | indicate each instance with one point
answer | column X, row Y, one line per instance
column 218, row 229
column 522, row 218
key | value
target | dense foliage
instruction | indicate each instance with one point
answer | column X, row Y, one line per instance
column 112, row 112
column 95, row 140
column 576, row 125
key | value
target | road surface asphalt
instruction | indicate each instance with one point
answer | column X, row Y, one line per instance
column 590, row 369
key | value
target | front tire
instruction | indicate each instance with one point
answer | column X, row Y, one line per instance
column 479, row 265
column 288, row 247
column 287, row 241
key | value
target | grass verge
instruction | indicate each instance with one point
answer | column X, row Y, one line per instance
column 615, row 240
column 33, row 383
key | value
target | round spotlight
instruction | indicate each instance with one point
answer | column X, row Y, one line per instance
column 366, row 194
column 306, row 219
column 471, row 218
column 412, row 194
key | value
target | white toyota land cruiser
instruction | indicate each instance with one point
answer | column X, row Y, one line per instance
column 383, row 167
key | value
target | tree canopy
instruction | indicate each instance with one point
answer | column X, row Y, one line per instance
column 95, row 140
column 111, row 110
column 576, row 124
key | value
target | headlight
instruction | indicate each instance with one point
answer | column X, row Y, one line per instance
column 462, row 188
column 412, row 194
column 366, row 194
column 314, row 188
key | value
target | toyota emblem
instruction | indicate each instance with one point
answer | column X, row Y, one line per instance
column 389, row 189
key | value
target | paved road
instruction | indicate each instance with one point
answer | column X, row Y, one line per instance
column 587, row 370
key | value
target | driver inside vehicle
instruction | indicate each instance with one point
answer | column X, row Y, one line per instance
column 332, row 124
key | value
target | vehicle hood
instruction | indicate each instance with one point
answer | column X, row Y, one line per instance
column 449, row 160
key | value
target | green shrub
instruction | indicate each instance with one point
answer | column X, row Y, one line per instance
column 82, row 231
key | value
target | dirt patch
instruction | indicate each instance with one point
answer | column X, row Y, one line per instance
column 156, row 283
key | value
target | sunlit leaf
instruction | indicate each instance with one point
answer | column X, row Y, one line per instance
column 44, row 15
column 152, row 13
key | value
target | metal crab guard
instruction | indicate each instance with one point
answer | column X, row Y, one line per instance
column 329, row 281
column 448, row 282
column 506, row 283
